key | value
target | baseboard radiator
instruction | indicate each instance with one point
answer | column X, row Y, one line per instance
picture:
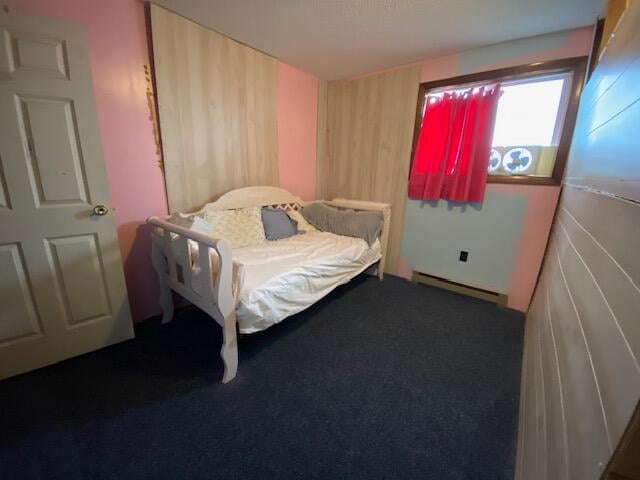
column 499, row 299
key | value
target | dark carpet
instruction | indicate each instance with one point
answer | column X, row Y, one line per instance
column 380, row 380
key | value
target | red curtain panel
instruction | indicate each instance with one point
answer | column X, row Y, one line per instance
column 452, row 155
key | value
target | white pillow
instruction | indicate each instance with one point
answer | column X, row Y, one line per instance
column 241, row 228
column 303, row 225
column 181, row 220
column 192, row 222
column 201, row 285
column 200, row 225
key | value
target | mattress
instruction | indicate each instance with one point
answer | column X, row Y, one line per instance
column 283, row 277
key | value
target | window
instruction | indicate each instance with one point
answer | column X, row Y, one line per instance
column 534, row 120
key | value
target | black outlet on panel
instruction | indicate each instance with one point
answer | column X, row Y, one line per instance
column 463, row 255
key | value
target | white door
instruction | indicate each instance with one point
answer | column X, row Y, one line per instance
column 62, row 290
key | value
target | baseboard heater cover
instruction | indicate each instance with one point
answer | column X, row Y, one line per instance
column 499, row 299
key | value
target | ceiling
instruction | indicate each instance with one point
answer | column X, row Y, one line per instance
column 335, row 39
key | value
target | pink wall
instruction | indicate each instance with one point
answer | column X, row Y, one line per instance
column 297, row 129
column 118, row 45
column 541, row 201
column 541, row 207
column 119, row 48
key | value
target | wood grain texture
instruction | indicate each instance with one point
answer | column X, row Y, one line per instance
column 369, row 130
column 586, row 307
column 321, row 142
column 556, row 454
column 217, row 101
column 625, row 464
column 529, row 428
column 587, row 433
column 615, row 11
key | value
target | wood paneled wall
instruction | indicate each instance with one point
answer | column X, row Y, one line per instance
column 369, row 128
column 217, row 101
column 581, row 373
column 321, row 139
column 625, row 463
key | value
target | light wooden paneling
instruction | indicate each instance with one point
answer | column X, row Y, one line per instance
column 321, row 142
column 615, row 10
column 369, row 132
column 584, row 317
column 625, row 464
column 217, row 101
column 556, row 451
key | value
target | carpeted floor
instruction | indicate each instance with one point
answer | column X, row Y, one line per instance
column 379, row 380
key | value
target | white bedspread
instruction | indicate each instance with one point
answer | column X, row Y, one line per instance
column 284, row 277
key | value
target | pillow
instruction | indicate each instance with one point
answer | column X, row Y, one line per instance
column 303, row 225
column 277, row 224
column 241, row 228
column 180, row 220
column 192, row 222
column 200, row 225
column 366, row 225
column 201, row 285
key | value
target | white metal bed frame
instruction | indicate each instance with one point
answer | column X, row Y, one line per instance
column 172, row 261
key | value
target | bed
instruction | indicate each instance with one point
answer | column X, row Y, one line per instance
column 251, row 288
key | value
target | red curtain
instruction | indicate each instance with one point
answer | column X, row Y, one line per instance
column 452, row 155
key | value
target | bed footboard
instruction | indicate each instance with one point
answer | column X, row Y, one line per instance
column 177, row 268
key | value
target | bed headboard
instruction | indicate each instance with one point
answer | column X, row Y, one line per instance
column 255, row 197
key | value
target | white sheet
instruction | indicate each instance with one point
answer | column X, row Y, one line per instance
column 284, row 277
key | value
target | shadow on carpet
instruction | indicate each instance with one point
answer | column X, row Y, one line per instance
column 378, row 380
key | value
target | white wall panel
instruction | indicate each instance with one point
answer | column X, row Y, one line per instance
column 588, row 329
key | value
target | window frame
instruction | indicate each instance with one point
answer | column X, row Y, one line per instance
column 575, row 65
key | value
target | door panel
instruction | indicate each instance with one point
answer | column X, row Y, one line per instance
column 49, row 130
column 41, row 56
column 61, row 282
column 80, row 277
column 20, row 318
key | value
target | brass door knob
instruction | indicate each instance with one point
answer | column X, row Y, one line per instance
column 100, row 210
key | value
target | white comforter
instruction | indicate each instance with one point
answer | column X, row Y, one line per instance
column 284, row 277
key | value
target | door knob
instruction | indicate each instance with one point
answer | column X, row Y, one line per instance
column 100, row 210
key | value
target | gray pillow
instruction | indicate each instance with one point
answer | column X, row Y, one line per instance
column 366, row 225
column 277, row 224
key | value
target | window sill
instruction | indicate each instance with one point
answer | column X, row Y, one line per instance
column 523, row 180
